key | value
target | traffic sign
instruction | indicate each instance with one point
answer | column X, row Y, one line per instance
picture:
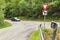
column 45, row 6
column 44, row 12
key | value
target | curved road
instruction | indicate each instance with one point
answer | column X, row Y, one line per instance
column 20, row 30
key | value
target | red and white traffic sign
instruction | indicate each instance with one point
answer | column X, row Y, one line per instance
column 45, row 6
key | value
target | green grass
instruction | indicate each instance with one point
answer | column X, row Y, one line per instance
column 5, row 24
column 28, row 19
column 47, row 34
column 38, row 19
column 34, row 36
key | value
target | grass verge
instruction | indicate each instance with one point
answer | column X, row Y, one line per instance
column 47, row 34
column 38, row 19
column 5, row 24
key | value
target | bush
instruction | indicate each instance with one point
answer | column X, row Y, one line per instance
column 1, row 18
column 2, row 5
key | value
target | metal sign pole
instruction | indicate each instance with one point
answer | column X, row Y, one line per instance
column 44, row 14
column 44, row 20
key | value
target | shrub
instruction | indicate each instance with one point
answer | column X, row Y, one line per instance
column 1, row 18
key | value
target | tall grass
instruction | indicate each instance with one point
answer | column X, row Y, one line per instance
column 47, row 32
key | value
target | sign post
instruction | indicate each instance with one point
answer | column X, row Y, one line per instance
column 44, row 14
column 44, row 6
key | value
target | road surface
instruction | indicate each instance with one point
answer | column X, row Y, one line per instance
column 20, row 30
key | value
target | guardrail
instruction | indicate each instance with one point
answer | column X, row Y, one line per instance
column 40, row 33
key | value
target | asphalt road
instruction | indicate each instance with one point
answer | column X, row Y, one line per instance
column 20, row 30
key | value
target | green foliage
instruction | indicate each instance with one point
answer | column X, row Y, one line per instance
column 22, row 8
column 2, row 23
column 2, row 6
column 34, row 36
column 54, row 9
column 47, row 33
column 5, row 24
column 30, row 8
column 1, row 18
